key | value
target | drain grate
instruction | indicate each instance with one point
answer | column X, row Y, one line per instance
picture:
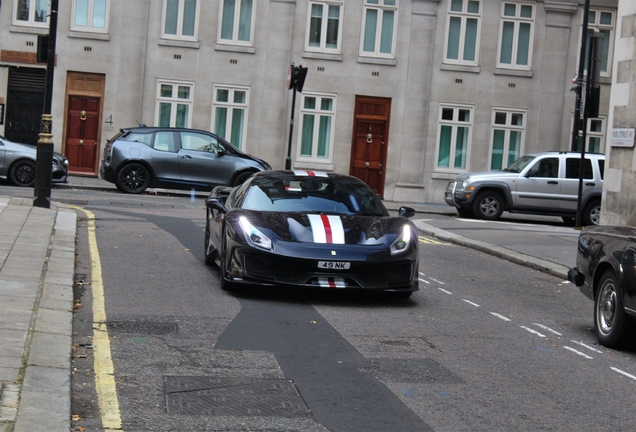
column 145, row 327
column 213, row 396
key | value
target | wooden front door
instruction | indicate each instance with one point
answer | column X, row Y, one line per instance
column 370, row 139
column 81, row 134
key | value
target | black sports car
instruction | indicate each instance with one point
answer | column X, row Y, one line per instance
column 309, row 229
column 605, row 272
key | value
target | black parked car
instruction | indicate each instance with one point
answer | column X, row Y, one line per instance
column 606, row 273
column 17, row 164
column 310, row 230
column 174, row 158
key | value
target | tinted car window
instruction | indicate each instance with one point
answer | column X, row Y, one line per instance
column 312, row 194
column 548, row 167
column 601, row 167
column 198, row 142
column 572, row 168
column 145, row 138
column 164, row 141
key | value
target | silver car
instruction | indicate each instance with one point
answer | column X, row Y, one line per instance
column 17, row 164
column 174, row 158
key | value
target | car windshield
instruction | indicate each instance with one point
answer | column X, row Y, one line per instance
column 519, row 165
column 312, row 195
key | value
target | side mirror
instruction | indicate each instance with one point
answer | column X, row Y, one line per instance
column 532, row 173
column 215, row 204
column 406, row 212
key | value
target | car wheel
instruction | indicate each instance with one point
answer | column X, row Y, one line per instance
column 22, row 173
column 134, row 178
column 465, row 213
column 226, row 285
column 610, row 319
column 592, row 213
column 208, row 251
column 488, row 205
column 240, row 179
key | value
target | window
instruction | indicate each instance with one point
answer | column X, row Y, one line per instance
column 90, row 16
column 316, row 135
column 237, row 21
column 31, row 13
column 174, row 104
column 180, row 19
column 595, row 136
column 508, row 129
column 455, row 124
column 378, row 28
column 573, row 168
column 462, row 43
column 199, row 142
column 324, row 26
column 603, row 22
column 230, row 114
column 515, row 41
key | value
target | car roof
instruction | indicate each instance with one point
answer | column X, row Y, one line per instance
column 296, row 174
column 150, row 129
column 556, row 153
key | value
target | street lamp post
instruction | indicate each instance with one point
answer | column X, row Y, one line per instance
column 44, row 157
column 579, row 80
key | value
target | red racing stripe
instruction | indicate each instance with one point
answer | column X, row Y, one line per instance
column 332, row 283
column 325, row 221
column 311, row 173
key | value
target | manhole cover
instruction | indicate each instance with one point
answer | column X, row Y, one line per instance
column 146, row 327
column 260, row 397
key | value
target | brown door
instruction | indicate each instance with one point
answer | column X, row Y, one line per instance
column 81, row 134
column 370, row 138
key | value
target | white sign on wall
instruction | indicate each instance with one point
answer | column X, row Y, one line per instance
column 623, row 137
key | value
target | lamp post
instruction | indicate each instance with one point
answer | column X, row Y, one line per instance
column 44, row 157
column 579, row 80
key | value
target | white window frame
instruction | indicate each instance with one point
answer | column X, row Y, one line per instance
column 455, row 123
column 180, row 17
column 317, row 112
column 594, row 134
column 381, row 6
column 91, row 9
column 464, row 16
column 517, row 20
column 597, row 26
column 174, row 100
column 31, row 21
column 508, row 127
column 326, row 4
column 235, row 25
column 231, row 105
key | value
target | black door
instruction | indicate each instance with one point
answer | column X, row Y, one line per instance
column 25, row 103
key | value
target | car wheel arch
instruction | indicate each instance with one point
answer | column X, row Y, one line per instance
column 599, row 271
column 501, row 189
column 145, row 164
column 242, row 173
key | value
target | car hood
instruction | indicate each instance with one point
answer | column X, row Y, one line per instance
column 326, row 229
column 488, row 175
column 26, row 149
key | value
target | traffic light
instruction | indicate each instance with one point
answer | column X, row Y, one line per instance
column 298, row 75
column 594, row 73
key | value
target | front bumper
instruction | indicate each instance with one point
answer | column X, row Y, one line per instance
column 457, row 197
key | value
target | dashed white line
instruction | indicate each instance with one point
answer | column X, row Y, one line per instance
column 443, row 290
column 623, row 373
column 422, row 280
column 471, row 303
column 578, row 352
column 435, row 280
column 500, row 316
column 533, row 331
column 546, row 328
column 588, row 347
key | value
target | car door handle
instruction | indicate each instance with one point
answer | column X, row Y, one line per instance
column 590, row 184
column 553, row 182
column 186, row 157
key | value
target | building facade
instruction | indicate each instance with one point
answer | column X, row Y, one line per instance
column 404, row 94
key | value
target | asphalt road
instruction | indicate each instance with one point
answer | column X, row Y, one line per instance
column 484, row 345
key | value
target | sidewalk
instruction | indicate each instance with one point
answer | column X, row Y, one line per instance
column 37, row 264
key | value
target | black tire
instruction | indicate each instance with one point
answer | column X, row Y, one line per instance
column 226, row 285
column 465, row 213
column 610, row 319
column 133, row 178
column 22, row 173
column 240, row 178
column 592, row 213
column 208, row 253
column 488, row 205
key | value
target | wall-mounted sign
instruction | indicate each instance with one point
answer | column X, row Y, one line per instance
column 623, row 137
column 1, row 114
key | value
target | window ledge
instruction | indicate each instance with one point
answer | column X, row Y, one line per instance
column 460, row 68
column 377, row 61
column 605, row 80
column 29, row 30
column 88, row 35
column 322, row 56
column 235, row 48
column 444, row 175
column 514, row 72
column 179, row 43
column 314, row 166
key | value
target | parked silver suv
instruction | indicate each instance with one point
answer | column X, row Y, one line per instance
column 541, row 183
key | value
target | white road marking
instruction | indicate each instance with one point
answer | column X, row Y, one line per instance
column 435, row 280
column 579, row 353
column 443, row 290
column 471, row 303
column 546, row 328
column 422, row 280
column 623, row 373
column 500, row 316
column 533, row 331
column 588, row 347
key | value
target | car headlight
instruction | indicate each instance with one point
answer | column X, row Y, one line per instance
column 253, row 235
column 401, row 243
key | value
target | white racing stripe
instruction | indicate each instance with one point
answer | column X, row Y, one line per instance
column 327, row 229
column 330, row 282
column 303, row 173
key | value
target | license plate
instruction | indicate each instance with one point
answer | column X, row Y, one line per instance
column 334, row 265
